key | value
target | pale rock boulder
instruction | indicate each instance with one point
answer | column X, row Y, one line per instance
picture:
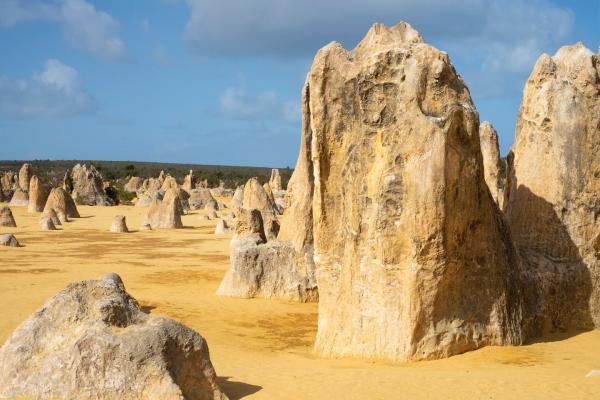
column 88, row 186
column 237, row 200
column 25, row 174
column 38, row 193
column 488, row 138
column 256, row 198
column 19, row 198
column 6, row 218
column 133, row 184
column 182, row 197
column 199, row 198
column 164, row 214
column 8, row 181
column 169, row 183
column 222, row 228
column 146, row 198
column 275, row 180
column 47, row 224
column 211, row 205
column 91, row 340
column 119, row 224
column 412, row 258
column 552, row 202
column 62, row 202
column 8, row 240
column 189, row 182
column 51, row 213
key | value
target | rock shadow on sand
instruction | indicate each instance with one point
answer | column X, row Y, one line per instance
column 236, row 390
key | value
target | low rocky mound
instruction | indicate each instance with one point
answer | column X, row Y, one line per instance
column 19, row 198
column 63, row 203
column 6, row 218
column 9, row 240
column 91, row 340
column 119, row 224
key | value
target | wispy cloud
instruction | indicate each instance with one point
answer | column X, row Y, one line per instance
column 242, row 102
column 85, row 27
column 56, row 91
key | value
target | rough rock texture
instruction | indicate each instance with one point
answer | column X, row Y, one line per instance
column 412, row 257
column 38, row 193
column 238, row 197
column 222, row 228
column 62, row 203
column 91, row 340
column 169, row 183
column 181, row 195
column 275, row 180
column 164, row 214
column 488, row 137
column 189, row 182
column 146, row 198
column 25, row 174
column 51, row 213
column 256, row 198
column 6, row 218
column 9, row 240
column 211, row 205
column 47, row 224
column 19, row 198
column 133, row 184
column 8, row 181
column 199, row 198
column 88, row 188
column 552, row 191
column 119, row 224
column 68, row 181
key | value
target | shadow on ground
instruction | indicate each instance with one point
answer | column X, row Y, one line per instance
column 236, row 390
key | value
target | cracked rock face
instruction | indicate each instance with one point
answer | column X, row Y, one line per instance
column 91, row 340
column 412, row 257
column 552, row 201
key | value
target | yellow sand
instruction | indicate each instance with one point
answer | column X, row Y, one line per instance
column 262, row 349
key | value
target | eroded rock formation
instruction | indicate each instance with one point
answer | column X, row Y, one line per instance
column 19, row 198
column 133, row 184
column 62, row 203
column 165, row 214
column 119, row 224
column 8, row 240
column 6, row 218
column 25, row 174
column 91, row 340
column 88, row 187
column 552, row 191
column 38, row 193
column 275, row 180
column 488, row 137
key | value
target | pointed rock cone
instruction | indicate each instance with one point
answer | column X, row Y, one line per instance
column 118, row 224
column 222, row 228
column 275, row 181
column 9, row 240
column 20, row 198
column 6, row 218
column 47, row 224
column 51, row 213
column 25, row 174
column 62, row 202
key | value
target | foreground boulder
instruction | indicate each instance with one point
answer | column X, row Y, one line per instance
column 119, row 224
column 91, row 340
column 20, row 198
column 38, row 193
column 6, row 218
column 412, row 257
column 88, row 187
column 8, row 240
column 552, row 191
column 62, row 202
column 490, row 151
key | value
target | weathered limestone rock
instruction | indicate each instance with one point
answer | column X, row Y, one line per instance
column 6, row 218
column 211, row 205
column 8, row 181
column 238, row 197
column 199, row 198
column 488, row 137
column 62, row 215
column 91, row 340
column 552, row 191
column 275, row 181
column 182, row 197
column 88, row 187
column 25, row 174
column 62, row 203
column 133, row 184
column 212, row 214
column 68, row 181
column 19, row 198
column 413, row 260
column 9, row 240
column 38, row 193
column 189, row 182
column 165, row 214
column 51, row 213
column 47, row 224
column 119, row 224
column 146, row 198
column 256, row 198
column 222, row 228
column 169, row 183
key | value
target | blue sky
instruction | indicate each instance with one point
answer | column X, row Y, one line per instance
column 218, row 81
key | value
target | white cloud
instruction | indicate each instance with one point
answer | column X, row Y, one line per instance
column 54, row 92
column 242, row 103
column 85, row 27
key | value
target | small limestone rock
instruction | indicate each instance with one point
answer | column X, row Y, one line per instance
column 20, row 198
column 51, row 213
column 6, row 218
column 275, row 181
column 9, row 240
column 47, row 224
column 222, row 228
column 119, row 224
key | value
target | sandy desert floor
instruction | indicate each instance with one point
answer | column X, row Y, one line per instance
column 262, row 349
